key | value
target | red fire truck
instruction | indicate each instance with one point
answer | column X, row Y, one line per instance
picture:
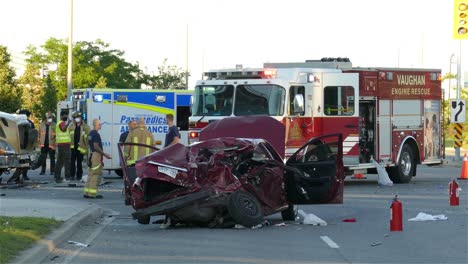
column 390, row 115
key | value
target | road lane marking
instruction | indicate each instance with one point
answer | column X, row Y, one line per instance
column 329, row 242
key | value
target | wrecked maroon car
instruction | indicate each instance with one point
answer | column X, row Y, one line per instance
column 224, row 181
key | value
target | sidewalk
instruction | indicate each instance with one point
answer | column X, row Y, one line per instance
column 73, row 213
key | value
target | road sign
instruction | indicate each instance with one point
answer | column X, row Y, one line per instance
column 457, row 111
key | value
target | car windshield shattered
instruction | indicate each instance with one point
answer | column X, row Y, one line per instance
column 223, row 181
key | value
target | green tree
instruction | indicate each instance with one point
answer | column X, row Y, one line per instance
column 10, row 93
column 169, row 77
column 49, row 97
column 32, row 85
column 95, row 64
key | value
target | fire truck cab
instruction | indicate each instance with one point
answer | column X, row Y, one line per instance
column 390, row 115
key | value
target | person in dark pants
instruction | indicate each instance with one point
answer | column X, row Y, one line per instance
column 63, row 148
column 79, row 136
column 47, row 143
column 31, row 123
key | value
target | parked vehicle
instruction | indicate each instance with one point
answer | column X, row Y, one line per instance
column 17, row 140
column 224, row 181
column 391, row 115
column 116, row 107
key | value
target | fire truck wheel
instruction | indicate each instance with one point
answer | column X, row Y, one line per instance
column 245, row 209
column 290, row 214
column 405, row 168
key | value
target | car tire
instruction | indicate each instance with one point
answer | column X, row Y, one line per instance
column 119, row 172
column 144, row 220
column 405, row 168
column 290, row 214
column 245, row 209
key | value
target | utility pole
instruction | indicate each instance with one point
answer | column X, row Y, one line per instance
column 70, row 55
column 186, row 60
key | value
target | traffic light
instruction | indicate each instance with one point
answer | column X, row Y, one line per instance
column 460, row 19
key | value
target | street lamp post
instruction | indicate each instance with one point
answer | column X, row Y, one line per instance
column 70, row 55
column 450, row 72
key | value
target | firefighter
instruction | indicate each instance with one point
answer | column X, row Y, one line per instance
column 138, row 135
column 79, row 145
column 63, row 141
column 47, row 139
column 95, row 168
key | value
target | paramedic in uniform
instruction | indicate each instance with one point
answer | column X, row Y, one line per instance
column 47, row 143
column 63, row 147
column 139, row 135
column 172, row 135
column 79, row 136
column 95, row 169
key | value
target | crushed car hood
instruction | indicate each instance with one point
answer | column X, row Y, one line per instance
column 263, row 127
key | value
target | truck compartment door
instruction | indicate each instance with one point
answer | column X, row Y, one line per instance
column 341, row 111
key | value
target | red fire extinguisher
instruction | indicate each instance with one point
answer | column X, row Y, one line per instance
column 454, row 193
column 396, row 215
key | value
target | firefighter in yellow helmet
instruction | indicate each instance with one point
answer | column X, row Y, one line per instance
column 79, row 145
column 138, row 135
column 95, row 168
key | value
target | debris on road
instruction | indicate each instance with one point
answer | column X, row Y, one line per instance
column 383, row 178
column 54, row 258
column 264, row 223
column 2, row 194
column 311, row 219
column 349, row 220
column 237, row 226
column 77, row 243
column 281, row 224
column 376, row 244
column 427, row 217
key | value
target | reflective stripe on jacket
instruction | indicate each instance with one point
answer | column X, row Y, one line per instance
column 62, row 137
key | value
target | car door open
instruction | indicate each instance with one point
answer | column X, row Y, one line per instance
column 317, row 174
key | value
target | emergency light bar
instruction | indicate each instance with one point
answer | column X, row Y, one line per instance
column 240, row 74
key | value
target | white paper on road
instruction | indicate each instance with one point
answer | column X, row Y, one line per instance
column 311, row 219
column 428, row 217
column 77, row 243
column 383, row 178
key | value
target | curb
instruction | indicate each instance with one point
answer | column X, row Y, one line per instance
column 46, row 245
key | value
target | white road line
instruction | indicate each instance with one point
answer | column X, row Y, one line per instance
column 329, row 242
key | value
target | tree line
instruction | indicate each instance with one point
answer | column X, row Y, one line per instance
column 95, row 65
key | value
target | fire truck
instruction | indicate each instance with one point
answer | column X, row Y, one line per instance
column 390, row 115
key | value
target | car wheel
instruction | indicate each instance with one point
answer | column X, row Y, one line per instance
column 119, row 172
column 245, row 209
column 405, row 168
column 290, row 214
column 144, row 220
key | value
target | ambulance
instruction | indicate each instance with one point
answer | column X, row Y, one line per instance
column 116, row 107
column 390, row 116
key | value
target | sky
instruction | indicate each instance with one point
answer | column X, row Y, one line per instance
column 221, row 34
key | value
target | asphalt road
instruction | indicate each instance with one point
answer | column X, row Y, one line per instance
column 117, row 238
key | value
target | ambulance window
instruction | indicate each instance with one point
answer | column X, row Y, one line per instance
column 338, row 100
column 293, row 91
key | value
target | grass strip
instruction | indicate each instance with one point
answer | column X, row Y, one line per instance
column 19, row 233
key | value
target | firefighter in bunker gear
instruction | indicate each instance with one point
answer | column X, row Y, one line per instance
column 79, row 144
column 138, row 135
column 95, row 168
column 47, row 140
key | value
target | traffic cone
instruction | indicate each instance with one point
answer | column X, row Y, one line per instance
column 464, row 169
column 359, row 176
